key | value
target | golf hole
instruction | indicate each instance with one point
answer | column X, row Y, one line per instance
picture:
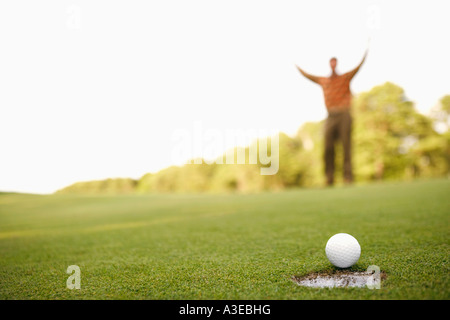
column 338, row 279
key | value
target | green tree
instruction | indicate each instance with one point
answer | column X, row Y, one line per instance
column 107, row 186
column 386, row 129
column 391, row 140
column 310, row 135
column 441, row 114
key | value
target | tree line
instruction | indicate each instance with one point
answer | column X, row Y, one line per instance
column 391, row 141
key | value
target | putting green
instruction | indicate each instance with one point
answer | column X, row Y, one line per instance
column 226, row 246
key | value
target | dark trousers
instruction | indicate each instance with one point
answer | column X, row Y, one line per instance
column 338, row 126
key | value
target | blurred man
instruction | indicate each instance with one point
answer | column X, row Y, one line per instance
column 338, row 125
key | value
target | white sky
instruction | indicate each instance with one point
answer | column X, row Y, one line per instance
column 97, row 89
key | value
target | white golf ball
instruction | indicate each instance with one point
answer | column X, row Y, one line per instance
column 343, row 250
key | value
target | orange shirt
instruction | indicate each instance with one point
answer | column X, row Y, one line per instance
column 336, row 91
column 336, row 88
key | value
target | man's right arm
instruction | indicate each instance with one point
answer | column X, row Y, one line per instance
column 309, row 76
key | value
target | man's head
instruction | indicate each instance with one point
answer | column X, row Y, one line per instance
column 333, row 63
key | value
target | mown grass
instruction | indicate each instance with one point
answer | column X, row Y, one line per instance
column 224, row 246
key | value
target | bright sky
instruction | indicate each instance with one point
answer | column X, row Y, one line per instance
column 98, row 89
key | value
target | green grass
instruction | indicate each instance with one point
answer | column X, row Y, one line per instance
column 224, row 246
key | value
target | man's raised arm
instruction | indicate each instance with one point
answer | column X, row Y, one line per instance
column 352, row 73
column 307, row 75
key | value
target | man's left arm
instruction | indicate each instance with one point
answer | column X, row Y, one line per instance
column 352, row 73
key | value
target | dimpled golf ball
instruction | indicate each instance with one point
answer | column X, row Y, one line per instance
column 343, row 250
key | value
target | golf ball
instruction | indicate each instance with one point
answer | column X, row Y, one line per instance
column 343, row 250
